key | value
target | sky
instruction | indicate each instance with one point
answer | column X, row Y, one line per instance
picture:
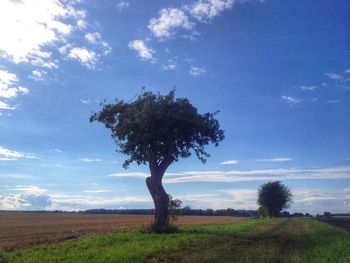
column 277, row 70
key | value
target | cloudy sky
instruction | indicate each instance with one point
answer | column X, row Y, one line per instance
column 278, row 71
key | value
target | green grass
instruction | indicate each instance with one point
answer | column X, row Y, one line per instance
column 130, row 246
column 251, row 240
column 2, row 256
column 293, row 240
column 326, row 243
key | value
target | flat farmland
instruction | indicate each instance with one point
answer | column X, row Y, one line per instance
column 19, row 230
column 343, row 222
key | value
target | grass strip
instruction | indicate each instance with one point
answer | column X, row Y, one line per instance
column 129, row 246
column 292, row 240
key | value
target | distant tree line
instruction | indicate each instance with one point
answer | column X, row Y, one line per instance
column 184, row 211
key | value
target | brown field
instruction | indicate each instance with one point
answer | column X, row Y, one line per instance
column 343, row 222
column 18, row 230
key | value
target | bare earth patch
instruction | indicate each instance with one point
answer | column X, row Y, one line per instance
column 19, row 230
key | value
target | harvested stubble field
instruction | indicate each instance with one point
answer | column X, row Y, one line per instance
column 19, row 230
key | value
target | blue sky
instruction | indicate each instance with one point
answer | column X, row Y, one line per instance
column 278, row 71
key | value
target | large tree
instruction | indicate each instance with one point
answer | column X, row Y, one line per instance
column 158, row 130
column 273, row 197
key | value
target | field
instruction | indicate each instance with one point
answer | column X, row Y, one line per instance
column 19, row 230
column 248, row 240
column 343, row 222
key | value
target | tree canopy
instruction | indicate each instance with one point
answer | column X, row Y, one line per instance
column 273, row 197
column 154, row 127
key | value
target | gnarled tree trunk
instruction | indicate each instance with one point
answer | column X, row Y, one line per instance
column 159, row 196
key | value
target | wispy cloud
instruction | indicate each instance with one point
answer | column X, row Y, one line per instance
column 142, row 49
column 9, row 87
column 11, row 155
column 290, row 100
column 122, row 4
column 333, row 101
column 229, row 162
column 5, row 106
column 308, row 88
column 332, row 173
column 97, row 191
column 278, row 159
column 340, row 79
column 197, row 71
column 132, row 174
column 170, row 66
column 38, row 75
column 89, row 160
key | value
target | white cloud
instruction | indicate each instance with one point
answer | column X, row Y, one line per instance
column 333, row 101
column 229, row 162
column 97, row 191
column 11, row 155
column 8, row 85
column 197, row 71
column 334, row 76
column 333, row 173
column 307, row 88
column 279, row 159
column 85, row 101
column 170, row 66
column 169, row 20
column 136, row 174
column 79, row 202
column 96, row 39
column 90, row 160
column 290, row 100
column 205, row 10
column 143, row 51
column 30, row 198
column 5, row 106
column 93, row 37
column 340, row 79
column 314, row 200
column 38, row 75
column 86, row 57
column 29, row 26
column 81, row 24
column 57, row 150
column 121, row 5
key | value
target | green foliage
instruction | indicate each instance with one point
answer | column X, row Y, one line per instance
column 327, row 215
column 262, row 211
column 273, row 197
column 175, row 208
column 155, row 127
